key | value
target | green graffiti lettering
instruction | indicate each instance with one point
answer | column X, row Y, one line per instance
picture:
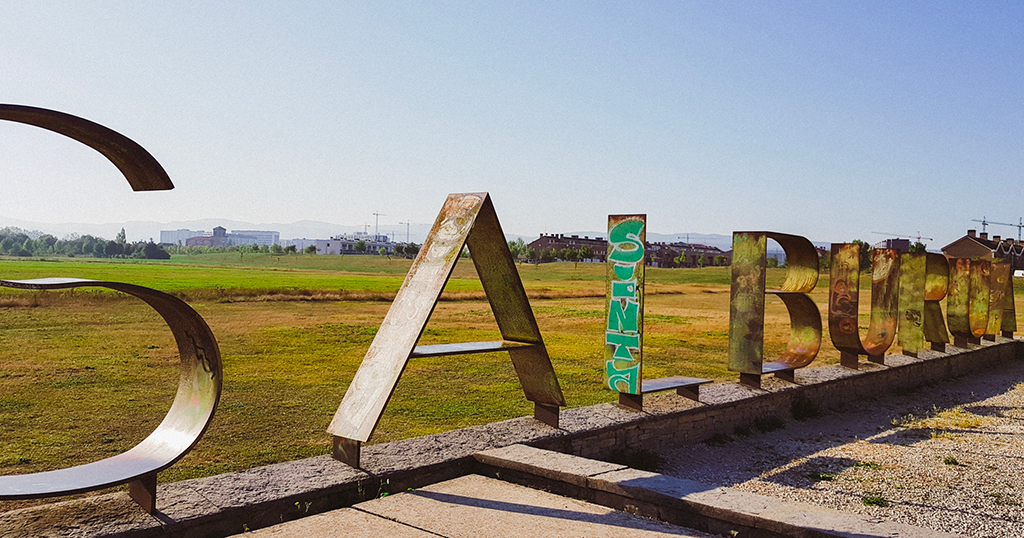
column 622, row 343
column 625, row 238
column 623, row 380
column 624, row 290
column 624, row 272
column 623, row 317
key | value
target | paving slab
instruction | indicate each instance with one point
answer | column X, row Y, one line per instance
column 343, row 522
column 473, row 506
column 681, row 496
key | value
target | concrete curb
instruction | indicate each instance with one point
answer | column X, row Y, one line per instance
column 683, row 502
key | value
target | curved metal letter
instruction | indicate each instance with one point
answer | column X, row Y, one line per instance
column 746, row 306
column 844, row 302
column 190, row 414
column 924, row 279
column 141, row 170
column 967, row 305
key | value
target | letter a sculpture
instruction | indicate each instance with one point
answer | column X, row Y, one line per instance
column 465, row 219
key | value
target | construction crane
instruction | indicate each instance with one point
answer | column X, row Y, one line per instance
column 907, row 236
column 376, row 224
column 985, row 223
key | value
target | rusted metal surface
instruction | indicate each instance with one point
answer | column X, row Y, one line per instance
column 624, row 306
column 844, row 302
column 935, row 290
column 465, row 219
column 1009, row 310
column 968, row 299
column 981, row 274
column 998, row 280
column 924, row 282
column 141, row 170
column 194, row 404
column 746, row 305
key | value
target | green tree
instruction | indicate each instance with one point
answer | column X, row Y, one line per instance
column 311, row 249
column 865, row 254
column 700, row 261
column 120, row 239
column 518, row 248
column 719, row 260
column 382, row 251
column 291, row 249
column 412, row 249
column 548, row 255
column 586, row 252
column 772, row 261
column 360, row 246
column 276, row 249
column 918, row 247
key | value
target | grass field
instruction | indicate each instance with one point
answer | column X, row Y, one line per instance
column 84, row 375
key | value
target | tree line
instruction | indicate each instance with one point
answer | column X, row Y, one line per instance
column 17, row 242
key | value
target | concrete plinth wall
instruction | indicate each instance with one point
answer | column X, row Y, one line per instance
column 234, row 502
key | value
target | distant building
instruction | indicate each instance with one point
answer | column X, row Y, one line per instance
column 900, row 245
column 254, row 237
column 980, row 246
column 299, row 244
column 220, row 238
column 658, row 254
column 346, row 244
column 178, row 237
column 560, row 241
column 688, row 254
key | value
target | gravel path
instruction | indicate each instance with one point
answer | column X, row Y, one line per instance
column 948, row 457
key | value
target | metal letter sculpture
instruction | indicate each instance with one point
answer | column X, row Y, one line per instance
column 624, row 314
column 746, row 306
column 924, row 281
column 624, row 331
column 1000, row 285
column 968, row 299
column 201, row 378
column 844, row 301
column 465, row 219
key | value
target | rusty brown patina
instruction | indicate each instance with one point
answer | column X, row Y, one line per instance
column 844, row 303
column 201, row 378
column 924, row 280
column 465, row 220
column 746, row 306
column 194, row 404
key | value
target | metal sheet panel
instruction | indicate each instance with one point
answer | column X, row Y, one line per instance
column 624, row 303
column 142, row 171
column 464, row 219
column 746, row 306
column 190, row 414
column 844, row 300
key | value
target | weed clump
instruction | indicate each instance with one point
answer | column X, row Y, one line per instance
column 875, row 501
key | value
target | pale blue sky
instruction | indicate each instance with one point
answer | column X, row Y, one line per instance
column 824, row 119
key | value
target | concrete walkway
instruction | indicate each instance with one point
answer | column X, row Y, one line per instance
column 473, row 506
